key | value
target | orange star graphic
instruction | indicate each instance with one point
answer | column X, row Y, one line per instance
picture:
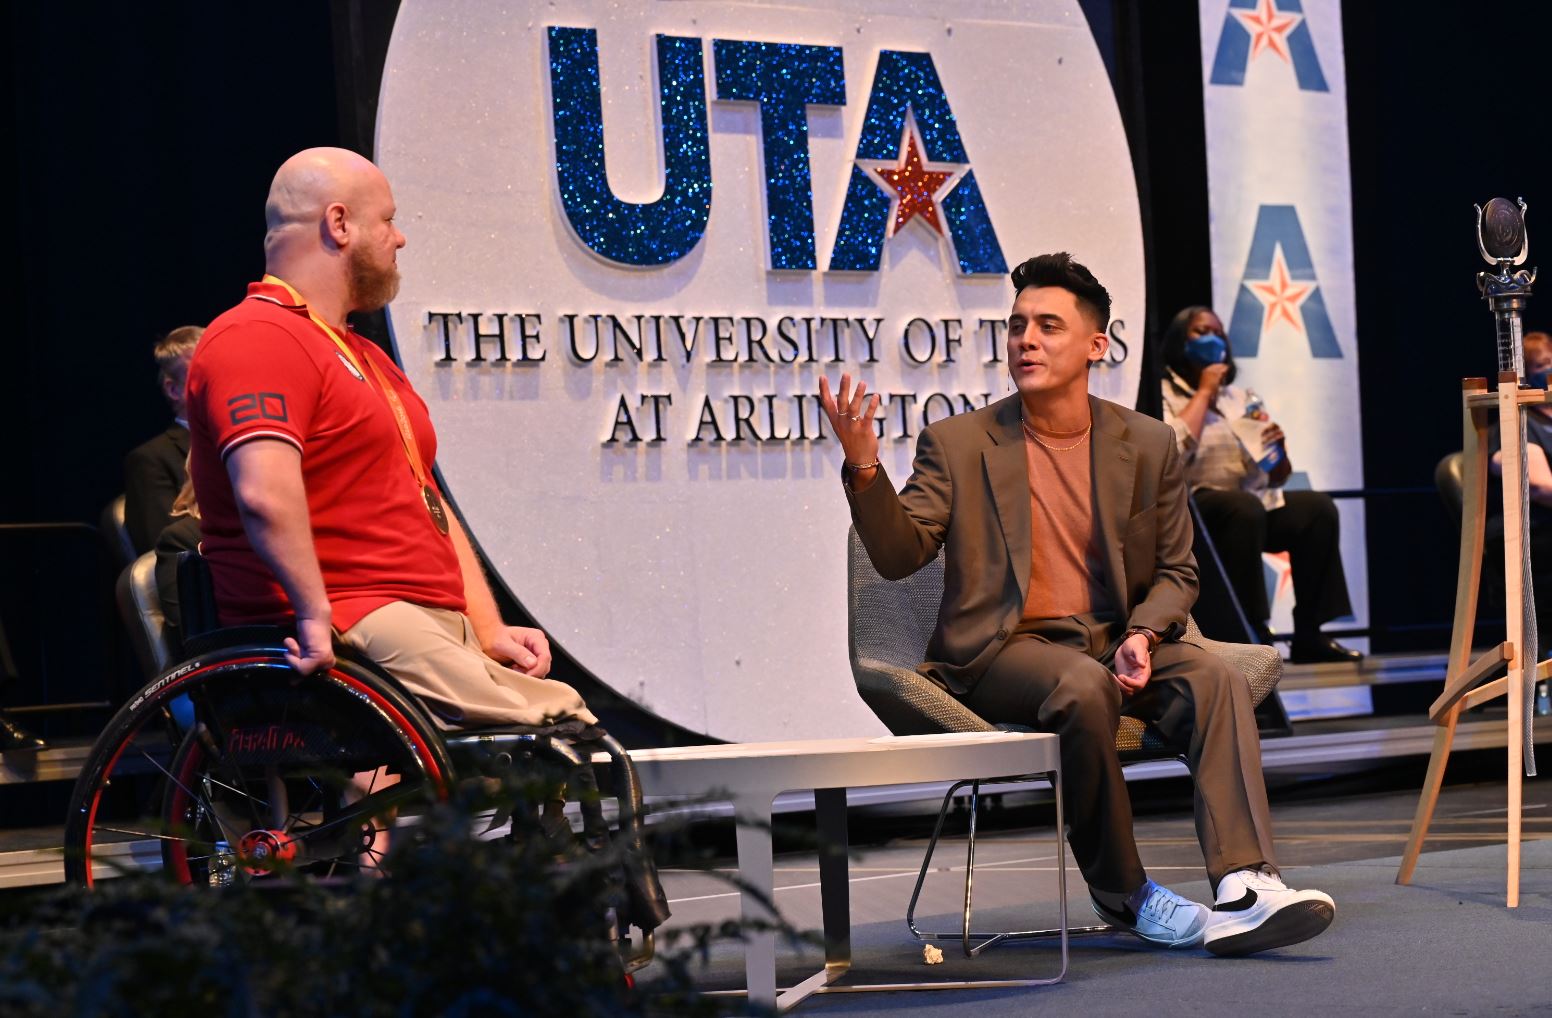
column 916, row 186
column 1280, row 296
column 1268, row 28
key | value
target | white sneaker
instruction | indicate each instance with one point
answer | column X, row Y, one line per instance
column 1255, row 912
column 1163, row 917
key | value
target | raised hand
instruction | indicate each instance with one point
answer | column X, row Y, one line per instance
column 851, row 416
column 1212, row 378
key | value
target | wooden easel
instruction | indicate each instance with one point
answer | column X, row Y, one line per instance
column 1463, row 685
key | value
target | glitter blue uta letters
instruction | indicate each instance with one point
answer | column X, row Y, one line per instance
column 908, row 125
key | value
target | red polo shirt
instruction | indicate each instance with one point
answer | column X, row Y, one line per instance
column 265, row 370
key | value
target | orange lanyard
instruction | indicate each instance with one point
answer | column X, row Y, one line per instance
column 400, row 415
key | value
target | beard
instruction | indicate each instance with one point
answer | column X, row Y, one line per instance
column 371, row 287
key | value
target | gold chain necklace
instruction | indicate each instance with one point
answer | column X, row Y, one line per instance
column 1057, row 448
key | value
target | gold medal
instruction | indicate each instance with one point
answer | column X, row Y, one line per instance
column 434, row 507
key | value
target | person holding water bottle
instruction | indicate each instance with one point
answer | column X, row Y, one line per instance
column 1236, row 463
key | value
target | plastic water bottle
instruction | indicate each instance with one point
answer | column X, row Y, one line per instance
column 1272, row 455
column 223, row 865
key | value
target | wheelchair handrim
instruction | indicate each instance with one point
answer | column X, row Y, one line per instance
column 170, row 687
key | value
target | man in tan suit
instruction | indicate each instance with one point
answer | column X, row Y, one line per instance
column 1067, row 578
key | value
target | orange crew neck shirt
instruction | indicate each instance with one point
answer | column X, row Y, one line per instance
column 1067, row 558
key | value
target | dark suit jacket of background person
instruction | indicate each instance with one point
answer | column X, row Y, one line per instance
column 153, row 474
column 969, row 491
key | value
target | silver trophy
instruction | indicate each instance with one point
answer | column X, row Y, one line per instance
column 1502, row 241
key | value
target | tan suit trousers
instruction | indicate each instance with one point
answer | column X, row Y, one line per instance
column 433, row 654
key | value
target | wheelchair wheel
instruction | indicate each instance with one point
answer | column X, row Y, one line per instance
column 278, row 775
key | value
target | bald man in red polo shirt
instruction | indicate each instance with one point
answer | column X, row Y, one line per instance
column 312, row 458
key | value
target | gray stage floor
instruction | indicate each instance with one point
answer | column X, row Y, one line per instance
column 1445, row 945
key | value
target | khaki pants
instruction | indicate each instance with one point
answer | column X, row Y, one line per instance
column 433, row 654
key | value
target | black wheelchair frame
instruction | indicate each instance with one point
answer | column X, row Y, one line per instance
column 264, row 775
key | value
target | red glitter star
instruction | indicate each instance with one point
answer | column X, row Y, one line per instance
column 916, row 185
column 1267, row 29
column 1280, row 296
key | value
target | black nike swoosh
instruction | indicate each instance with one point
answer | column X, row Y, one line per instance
column 1243, row 903
column 1125, row 914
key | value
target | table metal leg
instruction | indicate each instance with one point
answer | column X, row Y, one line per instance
column 834, row 896
column 756, row 868
column 756, row 871
column 834, row 874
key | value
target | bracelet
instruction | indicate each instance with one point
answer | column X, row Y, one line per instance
column 860, row 466
column 1152, row 637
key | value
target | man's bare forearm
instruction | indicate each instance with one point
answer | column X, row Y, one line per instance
column 479, row 602
column 271, row 498
column 1194, row 413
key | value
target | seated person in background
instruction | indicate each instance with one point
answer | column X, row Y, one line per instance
column 312, row 459
column 1235, row 466
column 1067, row 578
column 155, row 470
column 1538, row 445
column 179, row 536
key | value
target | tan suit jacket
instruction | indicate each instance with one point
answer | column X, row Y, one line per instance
column 969, row 494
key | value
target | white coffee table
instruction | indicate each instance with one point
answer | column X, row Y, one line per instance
column 750, row 775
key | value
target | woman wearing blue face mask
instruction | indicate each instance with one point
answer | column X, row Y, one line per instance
column 1236, row 463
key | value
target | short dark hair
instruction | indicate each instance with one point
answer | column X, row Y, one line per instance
column 1060, row 270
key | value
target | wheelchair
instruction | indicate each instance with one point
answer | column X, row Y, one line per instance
column 230, row 767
